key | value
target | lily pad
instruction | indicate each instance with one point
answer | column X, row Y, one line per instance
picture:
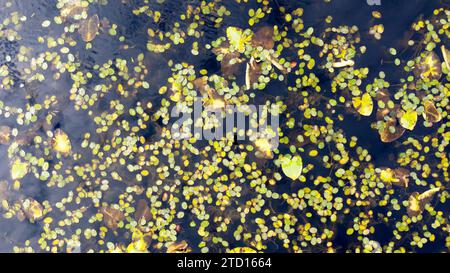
column 19, row 169
column 431, row 114
column 112, row 217
column 33, row 209
column 430, row 66
column 417, row 202
column 242, row 250
column 181, row 247
column 61, row 142
column 238, row 39
column 408, row 119
column 364, row 104
column 89, row 28
column 292, row 167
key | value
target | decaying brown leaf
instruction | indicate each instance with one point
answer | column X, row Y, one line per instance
column 181, row 247
column 431, row 114
column 252, row 73
column 72, row 8
column 89, row 28
column 5, row 134
column 397, row 176
column 142, row 211
column 111, row 216
column 387, row 135
column 230, row 64
column 32, row 209
column 264, row 38
column 417, row 202
column 3, row 190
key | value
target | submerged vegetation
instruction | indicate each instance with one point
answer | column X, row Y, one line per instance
column 90, row 163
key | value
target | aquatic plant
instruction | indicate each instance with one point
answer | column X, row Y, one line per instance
column 92, row 165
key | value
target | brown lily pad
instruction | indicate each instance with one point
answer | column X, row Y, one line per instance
column 89, row 28
column 181, row 247
column 5, row 135
column 391, row 131
column 431, row 114
column 32, row 209
column 111, row 217
column 264, row 38
column 142, row 211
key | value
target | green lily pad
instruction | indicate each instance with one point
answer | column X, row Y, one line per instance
column 292, row 167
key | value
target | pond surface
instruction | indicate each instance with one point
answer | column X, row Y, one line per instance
column 90, row 163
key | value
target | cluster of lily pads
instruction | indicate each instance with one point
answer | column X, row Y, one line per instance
column 119, row 181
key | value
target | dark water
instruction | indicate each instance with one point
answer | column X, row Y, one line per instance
column 397, row 19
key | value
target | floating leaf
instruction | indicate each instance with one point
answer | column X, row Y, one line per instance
column 181, row 247
column 72, row 9
column 292, row 167
column 264, row 38
column 111, row 216
column 387, row 175
column 264, row 148
column 417, row 202
column 61, row 143
column 242, row 250
column 5, row 134
column 19, row 169
column 398, row 176
column 33, row 209
column 430, row 67
column 230, row 64
column 214, row 104
column 431, row 114
column 363, row 105
column 142, row 211
column 408, row 120
column 343, row 63
column 402, row 175
column 201, row 84
column 391, row 131
column 140, row 242
column 89, row 28
column 238, row 39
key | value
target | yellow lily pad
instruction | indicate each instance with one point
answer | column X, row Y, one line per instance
column 264, row 148
column 19, row 169
column 238, row 39
column 398, row 176
column 418, row 201
column 364, row 104
column 409, row 119
column 61, row 143
column 33, row 209
column 242, row 250
column 139, row 242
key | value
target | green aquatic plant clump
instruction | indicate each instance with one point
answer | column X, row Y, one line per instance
column 91, row 163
